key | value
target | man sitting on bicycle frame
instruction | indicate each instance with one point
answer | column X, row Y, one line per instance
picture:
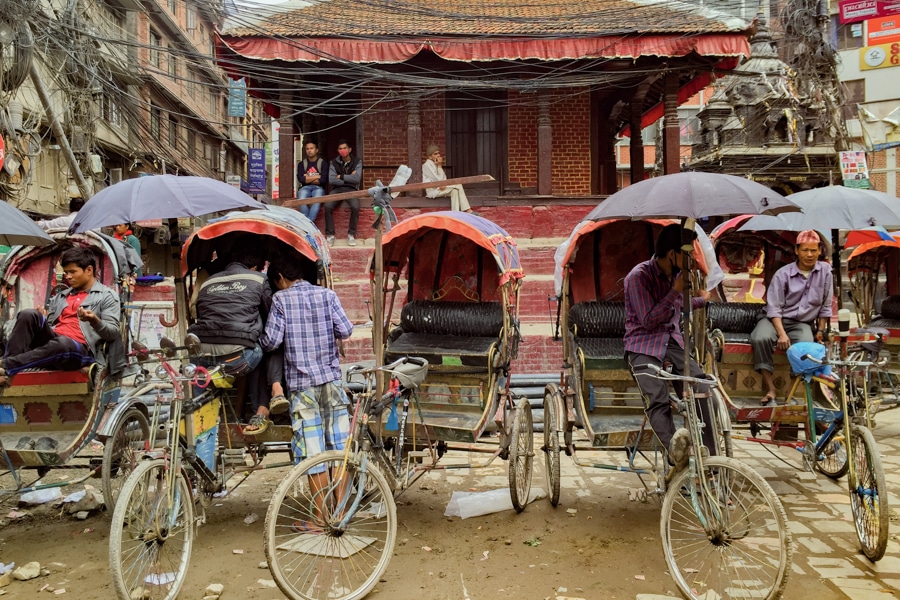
column 308, row 320
column 653, row 301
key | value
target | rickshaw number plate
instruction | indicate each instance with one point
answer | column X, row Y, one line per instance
column 451, row 361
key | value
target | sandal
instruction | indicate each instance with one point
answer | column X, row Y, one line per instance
column 767, row 399
column 257, row 425
column 279, row 405
column 306, row 527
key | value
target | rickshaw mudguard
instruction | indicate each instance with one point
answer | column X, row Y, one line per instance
column 42, row 413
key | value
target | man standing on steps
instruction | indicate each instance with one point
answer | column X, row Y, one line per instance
column 345, row 175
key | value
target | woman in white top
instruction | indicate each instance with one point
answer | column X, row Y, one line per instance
column 433, row 172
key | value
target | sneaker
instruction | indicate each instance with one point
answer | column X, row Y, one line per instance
column 351, row 240
column 678, row 448
column 330, row 240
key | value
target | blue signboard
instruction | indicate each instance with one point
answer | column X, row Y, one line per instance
column 256, row 171
column 237, row 97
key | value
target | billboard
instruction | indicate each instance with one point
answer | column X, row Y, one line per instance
column 879, row 57
column 883, row 30
column 852, row 11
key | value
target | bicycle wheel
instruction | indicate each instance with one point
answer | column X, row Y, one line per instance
column 743, row 553
column 869, row 497
column 149, row 540
column 121, row 453
column 521, row 455
column 832, row 460
column 551, row 442
column 313, row 555
column 723, row 424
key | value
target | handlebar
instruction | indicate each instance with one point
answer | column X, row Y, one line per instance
column 388, row 368
column 843, row 363
column 660, row 373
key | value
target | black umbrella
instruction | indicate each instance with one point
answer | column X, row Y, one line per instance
column 692, row 195
column 159, row 197
column 16, row 229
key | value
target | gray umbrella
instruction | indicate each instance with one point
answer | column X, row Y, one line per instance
column 693, row 195
column 159, row 197
column 16, row 229
column 833, row 207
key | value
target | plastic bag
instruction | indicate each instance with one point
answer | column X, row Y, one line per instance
column 475, row 504
column 806, row 367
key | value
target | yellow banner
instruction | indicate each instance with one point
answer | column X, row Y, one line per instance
column 880, row 56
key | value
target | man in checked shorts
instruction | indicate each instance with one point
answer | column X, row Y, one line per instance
column 308, row 320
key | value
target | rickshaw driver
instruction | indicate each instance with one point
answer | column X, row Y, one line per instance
column 798, row 297
column 308, row 320
column 72, row 332
column 653, row 301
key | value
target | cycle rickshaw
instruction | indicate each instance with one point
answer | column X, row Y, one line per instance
column 452, row 280
column 728, row 538
column 154, row 524
column 833, row 414
column 49, row 418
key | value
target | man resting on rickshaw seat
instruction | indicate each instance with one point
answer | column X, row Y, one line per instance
column 798, row 302
column 72, row 332
column 232, row 307
column 653, row 301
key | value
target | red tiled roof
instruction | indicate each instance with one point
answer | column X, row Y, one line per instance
column 524, row 18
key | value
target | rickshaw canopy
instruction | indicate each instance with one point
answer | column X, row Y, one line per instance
column 280, row 224
column 448, row 242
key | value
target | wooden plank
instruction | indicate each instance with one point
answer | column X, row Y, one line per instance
column 410, row 187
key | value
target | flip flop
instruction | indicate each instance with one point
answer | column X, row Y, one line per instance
column 257, row 425
column 279, row 405
column 767, row 399
column 306, row 527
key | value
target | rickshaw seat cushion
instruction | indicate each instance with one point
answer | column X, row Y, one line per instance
column 735, row 318
column 464, row 319
column 885, row 323
column 890, row 308
column 429, row 346
column 599, row 320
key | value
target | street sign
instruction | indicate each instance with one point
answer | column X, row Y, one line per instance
column 256, row 171
column 237, row 97
column 233, row 181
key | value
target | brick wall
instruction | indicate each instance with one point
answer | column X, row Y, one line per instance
column 570, row 117
column 522, row 139
column 384, row 137
column 434, row 128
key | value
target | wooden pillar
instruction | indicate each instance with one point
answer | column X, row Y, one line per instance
column 672, row 129
column 637, row 142
column 610, row 184
column 603, row 147
column 414, row 142
column 286, row 164
column 545, row 147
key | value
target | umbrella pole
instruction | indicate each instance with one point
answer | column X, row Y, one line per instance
column 181, row 307
column 836, row 265
column 687, row 294
column 378, row 308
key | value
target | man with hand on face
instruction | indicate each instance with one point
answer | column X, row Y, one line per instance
column 798, row 302
column 71, row 332
column 653, row 304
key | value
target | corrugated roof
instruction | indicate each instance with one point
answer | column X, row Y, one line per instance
column 530, row 18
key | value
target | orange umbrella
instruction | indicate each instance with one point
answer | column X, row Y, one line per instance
column 869, row 235
column 869, row 246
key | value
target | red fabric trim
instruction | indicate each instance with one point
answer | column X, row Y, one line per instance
column 49, row 378
column 466, row 50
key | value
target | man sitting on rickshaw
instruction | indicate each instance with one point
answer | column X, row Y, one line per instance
column 232, row 307
column 653, row 301
column 70, row 333
column 798, row 302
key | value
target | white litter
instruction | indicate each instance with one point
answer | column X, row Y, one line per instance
column 474, row 504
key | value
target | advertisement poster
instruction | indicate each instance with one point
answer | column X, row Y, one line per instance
column 854, row 171
column 883, row 30
column 256, row 171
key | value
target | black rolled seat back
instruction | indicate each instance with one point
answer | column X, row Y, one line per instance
column 734, row 317
column 890, row 308
column 598, row 319
column 470, row 319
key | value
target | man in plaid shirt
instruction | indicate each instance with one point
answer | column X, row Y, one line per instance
column 308, row 320
column 653, row 301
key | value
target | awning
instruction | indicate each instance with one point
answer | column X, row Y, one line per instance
column 467, row 50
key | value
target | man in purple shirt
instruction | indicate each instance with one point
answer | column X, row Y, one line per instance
column 798, row 299
column 653, row 301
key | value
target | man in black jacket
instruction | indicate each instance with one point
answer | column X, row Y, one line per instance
column 232, row 308
column 345, row 175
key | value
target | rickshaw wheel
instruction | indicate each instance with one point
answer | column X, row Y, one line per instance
column 834, row 463
column 744, row 524
column 551, row 442
column 149, row 540
column 121, row 453
column 312, row 555
column 521, row 455
column 869, row 495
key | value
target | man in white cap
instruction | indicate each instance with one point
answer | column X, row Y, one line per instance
column 798, row 307
column 433, row 172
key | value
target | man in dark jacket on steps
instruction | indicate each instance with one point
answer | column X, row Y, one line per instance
column 232, row 308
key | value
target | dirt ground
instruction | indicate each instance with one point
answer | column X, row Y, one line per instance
column 595, row 545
